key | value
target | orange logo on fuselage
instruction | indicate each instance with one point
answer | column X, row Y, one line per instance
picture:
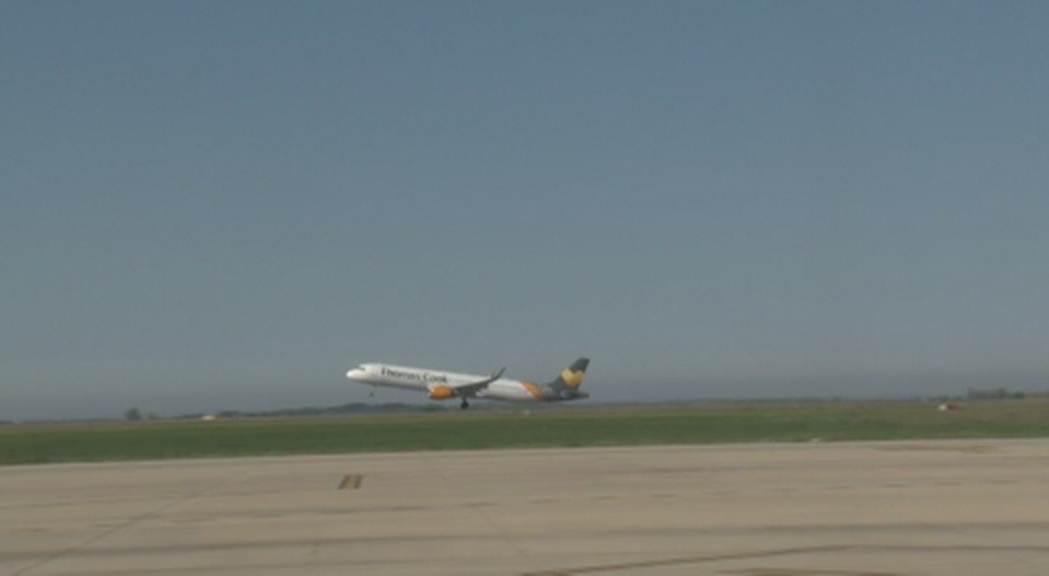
column 533, row 390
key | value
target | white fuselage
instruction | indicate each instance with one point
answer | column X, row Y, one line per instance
column 422, row 379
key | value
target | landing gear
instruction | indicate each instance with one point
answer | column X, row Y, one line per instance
column 464, row 404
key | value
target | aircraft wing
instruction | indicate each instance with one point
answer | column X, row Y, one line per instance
column 472, row 388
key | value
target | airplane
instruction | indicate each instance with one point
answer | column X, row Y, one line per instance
column 447, row 385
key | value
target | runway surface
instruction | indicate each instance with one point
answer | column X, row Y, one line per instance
column 863, row 509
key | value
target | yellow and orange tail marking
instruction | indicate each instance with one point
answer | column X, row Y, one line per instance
column 572, row 379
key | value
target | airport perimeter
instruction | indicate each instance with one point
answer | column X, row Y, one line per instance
column 919, row 508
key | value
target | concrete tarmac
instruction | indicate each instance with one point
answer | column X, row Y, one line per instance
column 859, row 509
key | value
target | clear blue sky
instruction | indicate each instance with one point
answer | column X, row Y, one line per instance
column 211, row 205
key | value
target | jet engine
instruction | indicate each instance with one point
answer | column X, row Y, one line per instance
column 441, row 393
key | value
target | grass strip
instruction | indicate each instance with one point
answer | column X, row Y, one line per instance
column 729, row 423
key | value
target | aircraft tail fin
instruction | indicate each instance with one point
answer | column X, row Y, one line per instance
column 572, row 377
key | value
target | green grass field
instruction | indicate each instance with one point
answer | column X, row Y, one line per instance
column 723, row 423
